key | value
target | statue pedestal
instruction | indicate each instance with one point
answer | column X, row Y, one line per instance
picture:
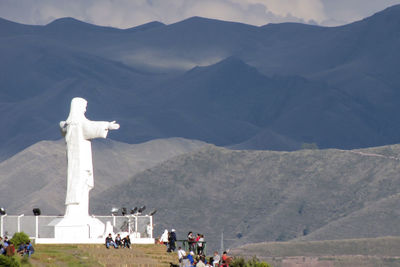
column 77, row 230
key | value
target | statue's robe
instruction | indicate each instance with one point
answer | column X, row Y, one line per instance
column 79, row 154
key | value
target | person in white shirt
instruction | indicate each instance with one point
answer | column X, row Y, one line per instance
column 216, row 258
column 164, row 237
column 181, row 255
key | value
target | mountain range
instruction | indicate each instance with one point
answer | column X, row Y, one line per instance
column 248, row 195
column 277, row 86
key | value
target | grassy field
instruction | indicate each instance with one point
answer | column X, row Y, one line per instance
column 98, row 255
column 367, row 252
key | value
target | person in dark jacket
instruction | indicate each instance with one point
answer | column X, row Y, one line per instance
column 118, row 240
column 29, row 249
column 110, row 241
column 21, row 249
column 172, row 241
column 127, row 241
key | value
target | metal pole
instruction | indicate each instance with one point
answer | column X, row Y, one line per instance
column 222, row 243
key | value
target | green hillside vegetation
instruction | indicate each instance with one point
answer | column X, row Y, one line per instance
column 368, row 252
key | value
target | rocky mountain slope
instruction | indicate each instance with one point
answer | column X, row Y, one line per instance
column 271, row 87
column 254, row 196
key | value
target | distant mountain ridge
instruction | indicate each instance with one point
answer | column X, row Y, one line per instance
column 276, row 86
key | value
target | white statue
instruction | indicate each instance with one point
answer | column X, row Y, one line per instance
column 78, row 132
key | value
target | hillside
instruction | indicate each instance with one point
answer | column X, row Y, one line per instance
column 39, row 172
column 365, row 252
column 230, row 84
column 250, row 196
column 255, row 196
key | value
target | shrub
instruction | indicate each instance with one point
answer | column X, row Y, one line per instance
column 9, row 261
column 19, row 238
column 254, row 262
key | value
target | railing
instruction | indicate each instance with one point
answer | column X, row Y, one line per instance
column 188, row 246
column 38, row 226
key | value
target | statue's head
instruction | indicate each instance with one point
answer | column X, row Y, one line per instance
column 78, row 109
column 79, row 104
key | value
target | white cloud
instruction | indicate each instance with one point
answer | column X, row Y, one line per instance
column 129, row 13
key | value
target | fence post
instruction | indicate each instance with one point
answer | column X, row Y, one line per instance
column 151, row 225
column 136, row 222
column 2, row 225
column 19, row 223
column 36, row 227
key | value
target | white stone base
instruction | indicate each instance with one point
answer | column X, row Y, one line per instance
column 75, row 230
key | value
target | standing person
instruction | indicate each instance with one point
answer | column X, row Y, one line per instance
column 181, row 256
column 191, row 241
column 200, row 245
column 164, row 238
column 172, row 240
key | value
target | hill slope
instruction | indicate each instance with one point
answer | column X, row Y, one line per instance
column 253, row 196
column 38, row 174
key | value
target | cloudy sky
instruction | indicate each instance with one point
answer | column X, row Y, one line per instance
column 129, row 13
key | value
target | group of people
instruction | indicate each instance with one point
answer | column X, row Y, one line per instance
column 196, row 243
column 7, row 248
column 169, row 239
column 118, row 242
column 190, row 260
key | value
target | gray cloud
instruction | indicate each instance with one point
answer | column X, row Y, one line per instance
column 129, row 13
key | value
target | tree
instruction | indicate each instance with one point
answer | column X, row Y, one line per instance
column 19, row 238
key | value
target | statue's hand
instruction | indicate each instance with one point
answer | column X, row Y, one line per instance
column 63, row 127
column 113, row 126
